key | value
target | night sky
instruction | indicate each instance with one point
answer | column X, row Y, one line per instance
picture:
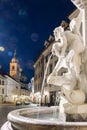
column 25, row 25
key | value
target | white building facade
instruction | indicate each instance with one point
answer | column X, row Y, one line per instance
column 13, row 89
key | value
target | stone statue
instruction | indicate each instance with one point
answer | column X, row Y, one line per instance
column 68, row 39
column 68, row 47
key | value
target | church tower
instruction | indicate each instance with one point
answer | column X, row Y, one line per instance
column 15, row 68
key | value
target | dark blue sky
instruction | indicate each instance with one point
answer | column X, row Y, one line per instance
column 25, row 25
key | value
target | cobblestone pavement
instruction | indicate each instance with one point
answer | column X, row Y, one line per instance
column 5, row 109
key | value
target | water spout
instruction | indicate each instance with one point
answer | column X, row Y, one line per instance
column 42, row 89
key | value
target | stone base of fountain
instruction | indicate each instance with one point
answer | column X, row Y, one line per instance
column 76, row 118
column 21, row 120
column 76, row 112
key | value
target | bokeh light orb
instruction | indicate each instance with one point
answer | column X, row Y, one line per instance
column 34, row 37
column 2, row 48
column 22, row 12
column 10, row 53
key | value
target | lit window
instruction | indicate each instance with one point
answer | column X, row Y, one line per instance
column 13, row 67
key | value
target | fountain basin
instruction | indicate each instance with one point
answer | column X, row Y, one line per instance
column 22, row 120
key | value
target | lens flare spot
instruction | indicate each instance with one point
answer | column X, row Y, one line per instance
column 22, row 12
column 10, row 53
column 34, row 37
column 2, row 48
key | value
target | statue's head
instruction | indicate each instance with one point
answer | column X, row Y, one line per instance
column 58, row 32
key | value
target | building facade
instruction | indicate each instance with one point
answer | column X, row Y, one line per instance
column 38, row 73
column 13, row 89
column 9, row 88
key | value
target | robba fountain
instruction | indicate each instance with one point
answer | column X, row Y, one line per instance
column 71, row 49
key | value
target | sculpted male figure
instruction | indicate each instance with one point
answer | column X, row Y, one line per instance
column 69, row 77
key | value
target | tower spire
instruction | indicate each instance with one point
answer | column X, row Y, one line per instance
column 15, row 53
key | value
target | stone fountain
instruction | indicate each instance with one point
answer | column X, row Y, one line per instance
column 70, row 73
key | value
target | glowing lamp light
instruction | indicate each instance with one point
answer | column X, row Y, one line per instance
column 2, row 48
